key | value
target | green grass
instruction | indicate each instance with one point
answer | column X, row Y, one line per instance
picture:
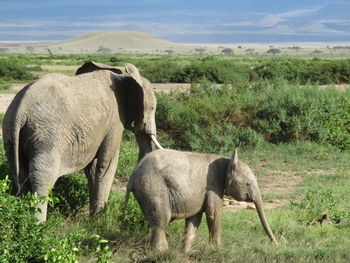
column 243, row 237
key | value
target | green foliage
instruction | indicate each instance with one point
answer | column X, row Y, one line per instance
column 111, row 223
column 98, row 245
column 317, row 203
column 218, row 69
column 337, row 124
column 304, row 113
column 128, row 156
column 22, row 239
column 65, row 250
column 273, row 51
column 13, row 70
column 214, row 69
column 72, row 194
column 227, row 51
column 213, row 119
column 134, row 219
column 4, row 84
column 303, row 71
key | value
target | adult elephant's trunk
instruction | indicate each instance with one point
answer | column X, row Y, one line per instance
column 266, row 226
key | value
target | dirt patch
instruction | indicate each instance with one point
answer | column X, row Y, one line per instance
column 5, row 100
column 167, row 87
column 279, row 182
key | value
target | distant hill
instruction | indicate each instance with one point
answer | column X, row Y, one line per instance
column 102, row 42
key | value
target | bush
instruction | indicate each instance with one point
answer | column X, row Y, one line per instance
column 12, row 70
column 214, row 69
column 22, row 239
column 317, row 203
column 212, row 119
column 304, row 71
column 304, row 113
column 72, row 193
column 209, row 119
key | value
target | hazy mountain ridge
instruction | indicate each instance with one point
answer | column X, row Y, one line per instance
column 100, row 42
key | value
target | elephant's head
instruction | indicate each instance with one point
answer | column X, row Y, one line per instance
column 136, row 101
column 242, row 185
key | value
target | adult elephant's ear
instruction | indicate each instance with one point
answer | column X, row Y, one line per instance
column 134, row 72
column 92, row 66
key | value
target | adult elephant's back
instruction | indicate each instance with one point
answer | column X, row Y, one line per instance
column 67, row 115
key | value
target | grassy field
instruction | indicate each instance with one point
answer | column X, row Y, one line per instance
column 323, row 183
column 303, row 175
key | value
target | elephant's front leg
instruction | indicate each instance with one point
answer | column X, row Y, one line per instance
column 192, row 223
column 100, row 179
column 100, row 174
column 214, row 213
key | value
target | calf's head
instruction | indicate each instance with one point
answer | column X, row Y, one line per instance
column 242, row 185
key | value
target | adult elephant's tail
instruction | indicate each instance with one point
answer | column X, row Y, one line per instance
column 14, row 120
column 15, row 151
column 11, row 131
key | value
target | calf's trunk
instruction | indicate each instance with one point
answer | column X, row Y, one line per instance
column 265, row 224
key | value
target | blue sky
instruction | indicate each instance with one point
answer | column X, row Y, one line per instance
column 203, row 21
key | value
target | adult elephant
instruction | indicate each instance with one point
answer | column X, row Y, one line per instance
column 59, row 125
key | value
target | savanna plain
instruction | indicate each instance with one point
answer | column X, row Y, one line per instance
column 289, row 117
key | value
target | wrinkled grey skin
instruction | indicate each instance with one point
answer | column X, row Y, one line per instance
column 172, row 184
column 59, row 125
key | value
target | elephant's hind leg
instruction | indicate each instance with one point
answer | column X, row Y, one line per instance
column 158, row 213
column 192, row 223
column 158, row 240
column 43, row 172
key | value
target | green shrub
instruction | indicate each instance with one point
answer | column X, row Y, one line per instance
column 304, row 113
column 317, row 203
column 72, row 193
column 12, row 70
column 337, row 124
column 4, row 84
column 218, row 119
column 4, row 167
column 217, row 71
column 22, row 239
column 303, row 71
column 214, row 69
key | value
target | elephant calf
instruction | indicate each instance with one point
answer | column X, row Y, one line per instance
column 172, row 184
